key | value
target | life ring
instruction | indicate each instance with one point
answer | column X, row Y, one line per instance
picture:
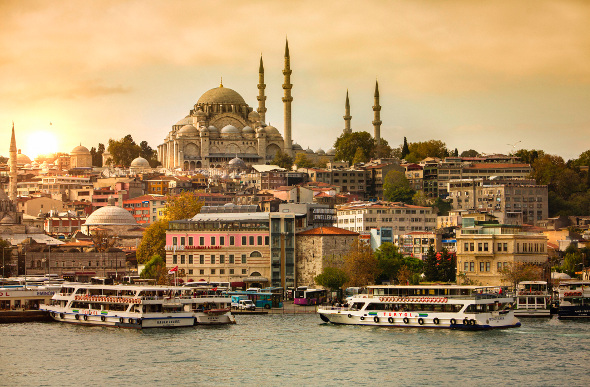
column 349, row 315
column 453, row 321
column 138, row 321
column 77, row 317
column 61, row 315
column 435, row 321
column 267, row 306
column 421, row 321
column 473, row 322
column 362, row 318
column 103, row 318
column 121, row 320
column 466, row 321
column 376, row 319
column 85, row 317
column 406, row 320
column 131, row 321
column 390, row 320
column 52, row 314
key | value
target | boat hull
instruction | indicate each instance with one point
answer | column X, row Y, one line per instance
column 419, row 320
column 572, row 312
column 133, row 322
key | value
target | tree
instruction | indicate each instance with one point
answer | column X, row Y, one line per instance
column 302, row 161
column 430, row 269
column 383, row 150
column 389, row 261
column 571, row 262
column 153, row 241
column 443, row 206
column 347, row 144
column 155, row 268
column 151, row 155
column 124, row 151
column 360, row 265
column 420, row 199
column 332, row 278
column 405, row 149
column 516, row 272
column 182, row 206
column 97, row 155
column 283, row 160
column 396, row 187
column 359, row 157
column 103, row 240
column 470, row 153
column 424, row 149
column 529, row 156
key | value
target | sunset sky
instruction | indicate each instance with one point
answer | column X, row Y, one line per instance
column 482, row 75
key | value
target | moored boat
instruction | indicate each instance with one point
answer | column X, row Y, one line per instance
column 138, row 307
column 21, row 303
column 426, row 306
column 574, row 300
column 533, row 299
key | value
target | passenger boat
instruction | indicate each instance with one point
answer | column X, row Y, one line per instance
column 533, row 299
column 20, row 303
column 428, row 306
column 138, row 307
column 574, row 300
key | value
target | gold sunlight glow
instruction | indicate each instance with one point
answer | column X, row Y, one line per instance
column 40, row 143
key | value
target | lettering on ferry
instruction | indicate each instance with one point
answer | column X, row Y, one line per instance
column 428, row 300
column 169, row 322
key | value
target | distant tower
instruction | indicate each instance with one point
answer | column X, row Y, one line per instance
column 261, row 97
column 377, row 116
column 287, row 99
column 347, row 116
column 13, row 175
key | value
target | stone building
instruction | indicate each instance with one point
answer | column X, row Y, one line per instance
column 319, row 248
column 80, row 157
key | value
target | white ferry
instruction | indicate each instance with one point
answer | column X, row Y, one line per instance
column 129, row 306
column 533, row 299
column 20, row 303
column 429, row 306
column 574, row 300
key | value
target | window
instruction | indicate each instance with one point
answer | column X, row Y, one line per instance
column 190, row 271
column 479, row 246
column 182, row 260
column 231, row 258
column 471, row 266
column 244, row 271
column 231, row 271
column 190, row 241
column 222, row 258
column 222, row 241
column 174, row 259
column 190, row 259
column 221, row 271
column 201, row 271
column 255, row 254
column 466, row 247
column 472, row 246
column 499, row 266
column 259, row 241
column 488, row 266
column 232, row 240
column 174, row 240
column 243, row 258
column 505, row 245
column 212, row 271
column 485, row 246
column 244, row 241
column 182, row 240
column 202, row 259
column 481, row 266
column 499, row 246
column 251, row 240
column 201, row 241
column 213, row 259
column 466, row 266
column 212, row 241
column 266, row 240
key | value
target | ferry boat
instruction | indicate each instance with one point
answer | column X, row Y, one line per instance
column 138, row 307
column 20, row 303
column 533, row 299
column 428, row 306
column 574, row 300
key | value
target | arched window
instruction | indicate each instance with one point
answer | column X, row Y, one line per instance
column 255, row 254
column 255, row 274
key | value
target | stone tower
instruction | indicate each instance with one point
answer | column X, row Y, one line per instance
column 13, row 176
column 347, row 116
column 261, row 97
column 287, row 99
column 377, row 116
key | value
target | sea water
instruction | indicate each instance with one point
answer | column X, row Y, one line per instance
column 301, row 350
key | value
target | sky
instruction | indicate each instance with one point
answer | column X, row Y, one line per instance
column 494, row 76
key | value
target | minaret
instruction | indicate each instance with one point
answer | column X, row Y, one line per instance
column 261, row 97
column 347, row 116
column 287, row 99
column 13, row 175
column 377, row 116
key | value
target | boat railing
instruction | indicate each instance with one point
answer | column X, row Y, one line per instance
column 476, row 296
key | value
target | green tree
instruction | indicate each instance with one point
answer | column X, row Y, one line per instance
column 124, row 151
column 382, row 150
column 331, row 278
column 182, row 206
column 443, row 206
column 470, row 153
column 360, row 265
column 302, row 161
column 359, row 157
column 430, row 269
column 283, row 160
column 420, row 199
column 155, row 268
column 151, row 155
column 529, row 156
column 405, row 149
column 430, row 148
column 389, row 261
column 153, row 241
column 396, row 187
column 347, row 144
column 516, row 272
column 572, row 262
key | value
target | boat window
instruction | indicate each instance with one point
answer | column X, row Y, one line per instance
column 357, row 305
column 376, row 306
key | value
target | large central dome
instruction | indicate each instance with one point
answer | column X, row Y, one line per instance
column 221, row 95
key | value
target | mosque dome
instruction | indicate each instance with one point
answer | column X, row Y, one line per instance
column 309, row 151
column 80, row 150
column 140, row 162
column 22, row 159
column 185, row 121
column 110, row 215
column 203, row 129
column 221, row 95
column 331, row 152
column 272, row 131
column 188, row 130
column 247, row 129
column 254, row 116
column 297, row 146
column 230, row 129
column 237, row 163
column 320, row 152
column 201, row 113
column 213, row 129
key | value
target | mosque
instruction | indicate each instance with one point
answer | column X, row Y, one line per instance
column 222, row 127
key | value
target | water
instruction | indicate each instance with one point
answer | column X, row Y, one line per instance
column 270, row 350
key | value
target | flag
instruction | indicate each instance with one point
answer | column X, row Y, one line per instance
column 174, row 269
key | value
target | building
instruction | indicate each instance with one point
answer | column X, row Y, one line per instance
column 484, row 250
column 63, row 224
column 80, row 158
column 318, row 248
column 39, row 205
column 145, row 209
column 417, row 243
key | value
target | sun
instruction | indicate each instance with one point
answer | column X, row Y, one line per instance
column 40, row 143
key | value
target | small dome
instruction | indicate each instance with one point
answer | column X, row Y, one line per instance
column 261, row 130
column 272, row 131
column 247, row 129
column 237, row 163
column 331, row 152
column 188, row 130
column 254, row 116
column 320, row 152
column 230, row 129
column 27, row 165
column 140, row 162
column 80, row 150
column 309, row 151
column 22, row 159
column 297, row 146
column 213, row 129
column 201, row 113
column 203, row 129
column 110, row 215
column 185, row 121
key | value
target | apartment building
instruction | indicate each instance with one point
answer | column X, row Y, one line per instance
column 145, row 209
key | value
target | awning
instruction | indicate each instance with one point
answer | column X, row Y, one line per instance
column 256, row 279
column 237, row 284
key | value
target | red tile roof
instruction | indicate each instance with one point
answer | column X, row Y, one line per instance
column 327, row 231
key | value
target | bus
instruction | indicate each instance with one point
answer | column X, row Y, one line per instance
column 306, row 296
column 261, row 299
column 275, row 290
column 101, row 281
